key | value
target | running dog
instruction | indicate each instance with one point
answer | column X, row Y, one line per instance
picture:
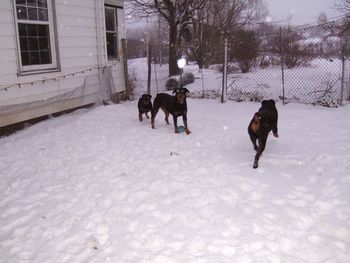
column 175, row 105
column 259, row 127
column 144, row 105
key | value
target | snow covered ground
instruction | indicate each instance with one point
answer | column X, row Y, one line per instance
column 98, row 186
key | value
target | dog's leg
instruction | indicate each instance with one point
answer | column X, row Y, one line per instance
column 166, row 115
column 253, row 139
column 184, row 118
column 175, row 123
column 275, row 129
column 140, row 116
column 154, row 111
column 153, row 116
column 147, row 115
column 261, row 148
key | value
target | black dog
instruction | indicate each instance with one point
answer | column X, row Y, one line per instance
column 144, row 105
column 259, row 127
column 175, row 105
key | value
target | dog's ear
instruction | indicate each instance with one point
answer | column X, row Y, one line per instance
column 175, row 90
column 186, row 90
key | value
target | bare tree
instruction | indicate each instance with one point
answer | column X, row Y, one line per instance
column 290, row 45
column 340, row 26
column 246, row 48
column 177, row 13
column 220, row 19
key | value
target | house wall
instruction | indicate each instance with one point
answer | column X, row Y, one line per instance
column 81, row 47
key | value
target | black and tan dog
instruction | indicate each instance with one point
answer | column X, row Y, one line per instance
column 144, row 105
column 259, row 127
column 175, row 105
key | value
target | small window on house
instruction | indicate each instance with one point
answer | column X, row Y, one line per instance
column 35, row 35
column 111, row 31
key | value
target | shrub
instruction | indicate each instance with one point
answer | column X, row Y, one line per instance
column 171, row 83
column 187, row 78
column 245, row 49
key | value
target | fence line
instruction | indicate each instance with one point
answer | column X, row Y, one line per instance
column 299, row 67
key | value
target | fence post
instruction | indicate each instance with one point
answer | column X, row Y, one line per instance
column 224, row 77
column 149, row 68
column 282, row 65
column 128, row 90
column 342, row 75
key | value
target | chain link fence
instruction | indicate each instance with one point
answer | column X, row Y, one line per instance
column 292, row 65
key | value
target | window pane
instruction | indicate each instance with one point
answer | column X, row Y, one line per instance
column 20, row 2
column 25, row 58
column 33, row 43
column 43, row 15
column 22, row 29
column 45, row 57
column 42, row 3
column 32, row 30
column 34, row 58
column 44, row 43
column 43, row 30
column 32, row 13
column 21, row 12
column 23, row 43
column 111, row 45
column 31, row 2
column 110, row 24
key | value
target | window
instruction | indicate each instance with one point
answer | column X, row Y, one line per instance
column 35, row 35
column 111, row 31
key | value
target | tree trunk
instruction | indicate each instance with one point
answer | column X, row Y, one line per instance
column 173, row 48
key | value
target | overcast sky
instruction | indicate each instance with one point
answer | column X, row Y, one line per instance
column 303, row 11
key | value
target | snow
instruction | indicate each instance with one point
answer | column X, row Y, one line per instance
column 98, row 186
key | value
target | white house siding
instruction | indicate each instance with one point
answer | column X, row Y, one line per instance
column 77, row 41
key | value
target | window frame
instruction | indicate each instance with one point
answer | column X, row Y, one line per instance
column 51, row 23
column 116, row 20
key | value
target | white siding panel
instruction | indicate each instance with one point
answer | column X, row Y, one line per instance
column 83, row 62
column 75, row 3
column 5, row 5
column 8, row 53
column 77, row 21
column 78, row 52
column 6, row 29
column 118, row 76
column 71, row 31
column 72, row 10
column 8, row 68
column 7, row 56
column 81, row 41
column 7, row 42
column 122, row 33
column 5, row 16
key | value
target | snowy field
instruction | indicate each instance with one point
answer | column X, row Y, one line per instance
column 98, row 186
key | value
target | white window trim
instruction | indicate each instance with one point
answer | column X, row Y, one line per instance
column 40, row 68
